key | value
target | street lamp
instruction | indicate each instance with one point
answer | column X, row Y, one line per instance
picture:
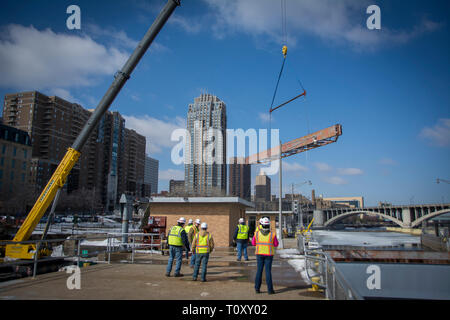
column 300, row 216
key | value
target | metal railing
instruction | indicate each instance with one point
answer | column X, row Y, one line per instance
column 325, row 273
column 75, row 245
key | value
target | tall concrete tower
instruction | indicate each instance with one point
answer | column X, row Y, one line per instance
column 205, row 163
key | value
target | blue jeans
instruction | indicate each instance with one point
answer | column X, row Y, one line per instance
column 200, row 257
column 242, row 246
column 177, row 253
column 264, row 262
column 193, row 259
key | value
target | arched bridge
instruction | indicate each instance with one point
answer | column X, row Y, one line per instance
column 405, row 216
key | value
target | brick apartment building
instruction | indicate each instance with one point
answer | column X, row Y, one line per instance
column 54, row 123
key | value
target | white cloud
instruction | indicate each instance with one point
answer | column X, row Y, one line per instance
column 336, row 180
column 264, row 117
column 387, row 161
column 294, row 168
column 188, row 25
column 157, row 132
column 341, row 22
column 323, row 167
column 171, row 174
column 34, row 59
column 350, row 171
column 118, row 37
column 439, row 134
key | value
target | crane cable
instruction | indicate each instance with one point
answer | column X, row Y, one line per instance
column 284, row 50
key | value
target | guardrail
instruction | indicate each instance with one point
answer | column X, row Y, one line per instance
column 113, row 244
column 325, row 273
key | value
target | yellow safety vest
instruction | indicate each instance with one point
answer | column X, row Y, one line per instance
column 175, row 236
column 242, row 232
column 264, row 244
column 202, row 245
column 188, row 228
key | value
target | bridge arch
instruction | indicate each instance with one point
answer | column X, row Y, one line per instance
column 352, row 213
column 429, row 216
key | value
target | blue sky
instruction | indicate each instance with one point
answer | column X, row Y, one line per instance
column 388, row 88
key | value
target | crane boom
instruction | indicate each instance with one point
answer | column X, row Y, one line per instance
column 61, row 173
column 311, row 141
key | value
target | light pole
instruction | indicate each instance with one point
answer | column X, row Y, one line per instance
column 300, row 217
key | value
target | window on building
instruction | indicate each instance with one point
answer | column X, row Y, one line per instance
column 13, row 163
column 12, row 175
column 1, row 174
column 14, row 151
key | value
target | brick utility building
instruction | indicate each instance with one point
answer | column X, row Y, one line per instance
column 221, row 213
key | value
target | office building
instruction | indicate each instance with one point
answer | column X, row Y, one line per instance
column 205, row 166
column 239, row 181
column 262, row 187
column 176, row 187
column 151, row 174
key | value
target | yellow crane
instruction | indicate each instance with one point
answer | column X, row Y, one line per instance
column 20, row 250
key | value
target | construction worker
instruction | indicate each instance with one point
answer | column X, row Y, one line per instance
column 265, row 242
column 187, row 229
column 241, row 238
column 192, row 232
column 177, row 238
column 202, row 245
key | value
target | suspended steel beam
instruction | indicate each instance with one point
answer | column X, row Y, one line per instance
column 283, row 104
column 315, row 140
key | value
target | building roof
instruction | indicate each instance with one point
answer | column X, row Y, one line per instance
column 202, row 200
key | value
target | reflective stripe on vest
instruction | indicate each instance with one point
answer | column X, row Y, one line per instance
column 175, row 236
column 242, row 232
column 264, row 244
column 202, row 245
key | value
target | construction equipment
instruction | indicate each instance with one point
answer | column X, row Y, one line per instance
column 315, row 140
column 59, row 177
column 442, row 180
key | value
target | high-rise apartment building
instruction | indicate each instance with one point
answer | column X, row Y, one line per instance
column 151, row 174
column 15, row 160
column 111, row 162
column 205, row 165
column 53, row 124
column 134, row 165
column 239, row 181
column 262, row 187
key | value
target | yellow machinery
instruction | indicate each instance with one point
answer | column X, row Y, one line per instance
column 27, row 251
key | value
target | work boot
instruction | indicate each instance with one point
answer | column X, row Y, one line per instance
column 167, row 274
column 257, row 291
column 178, row 275
column 271, row 292
column 203, row 280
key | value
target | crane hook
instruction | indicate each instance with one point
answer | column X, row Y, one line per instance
column 285, row 51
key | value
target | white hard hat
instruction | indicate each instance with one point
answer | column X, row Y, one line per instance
column 241, row 220
column 197, row 221
column 261, row 220
column 204, row 225
column 182, row 220
column 190, row 221
column 265, row 221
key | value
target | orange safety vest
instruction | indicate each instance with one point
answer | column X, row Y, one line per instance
column 265, row 244
column 202, row 245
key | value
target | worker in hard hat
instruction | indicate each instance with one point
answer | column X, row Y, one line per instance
column 240, row 236
column 265, row 242
column 177, row 238
column 202, row 245
column 192, row 232
column 187, row 228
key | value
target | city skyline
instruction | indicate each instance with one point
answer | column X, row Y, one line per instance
column 388, row 87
